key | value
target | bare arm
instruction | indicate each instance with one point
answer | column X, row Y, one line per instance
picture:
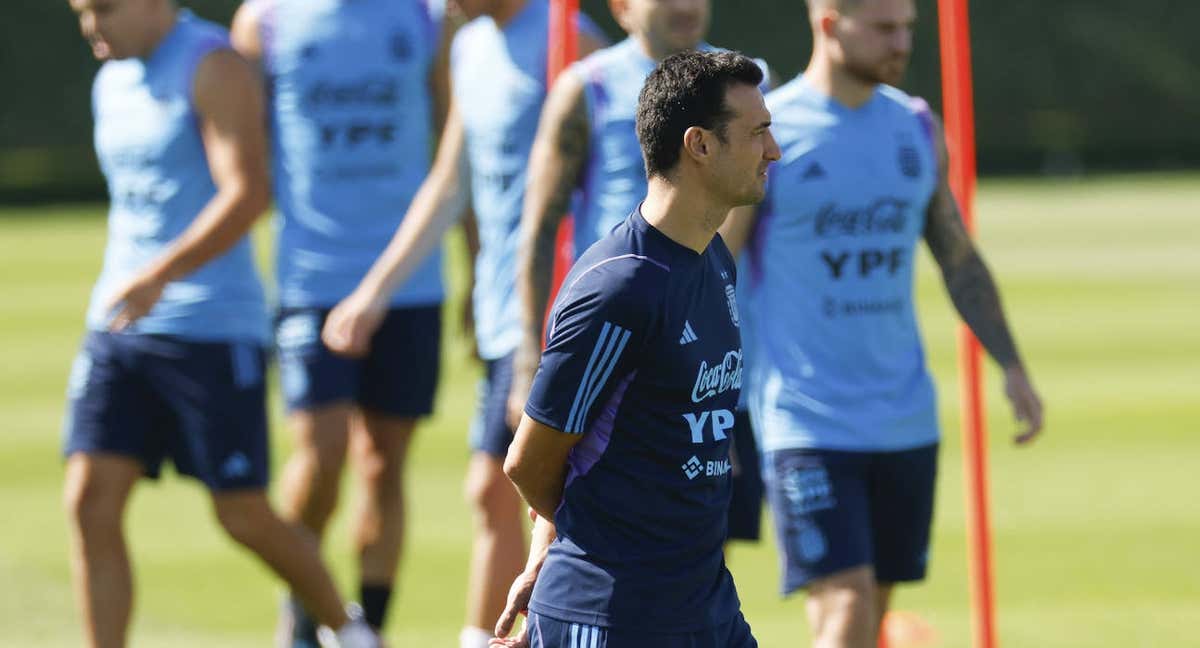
column 556, row 161
column 974, row 293
column 537, row 464
column 229, row 102
column 737, row 228
column 521, row 591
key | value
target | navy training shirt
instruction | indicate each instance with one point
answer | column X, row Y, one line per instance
column 644, row 360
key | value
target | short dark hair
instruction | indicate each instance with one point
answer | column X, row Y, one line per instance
column 687, row 89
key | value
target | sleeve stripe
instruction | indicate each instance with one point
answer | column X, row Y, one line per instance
column 599, row 368
column 594, row 391
column 587, row 372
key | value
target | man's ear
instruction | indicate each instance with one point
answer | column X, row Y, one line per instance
column 698, row 143
column 826, row 22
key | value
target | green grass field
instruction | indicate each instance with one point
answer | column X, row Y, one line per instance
column 1097, row 527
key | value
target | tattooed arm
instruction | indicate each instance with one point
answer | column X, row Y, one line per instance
column 975, row 296
column 560, row 150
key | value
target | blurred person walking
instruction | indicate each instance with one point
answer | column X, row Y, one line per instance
column 172, row 365
column 356, row 92
column 836, row 376
column 498, row 86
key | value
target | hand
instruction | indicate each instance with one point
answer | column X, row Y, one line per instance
column 134, row 300
column 518, row 603
column 1027, row 407
column 352, row 323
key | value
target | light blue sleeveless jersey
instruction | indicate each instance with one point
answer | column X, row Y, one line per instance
column 837, row 360
column 351, row 123
column 150, row 150
column 499, row 78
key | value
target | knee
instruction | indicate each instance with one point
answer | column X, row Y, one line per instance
column 322, row 461
column 843, row 605
column 490, row 493
column 90, row 507
column 381, row 466
column 244, row 520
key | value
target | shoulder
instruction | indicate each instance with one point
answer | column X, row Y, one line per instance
column 788, row 95
column 901, row 101
column 628, row 278
column 917, row 108
column 206, row 35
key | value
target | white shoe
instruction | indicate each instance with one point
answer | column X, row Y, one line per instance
column 356, row 633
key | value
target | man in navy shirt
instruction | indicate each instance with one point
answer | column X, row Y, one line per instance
column 624, row 443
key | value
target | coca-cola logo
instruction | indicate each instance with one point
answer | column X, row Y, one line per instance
column 718, row 378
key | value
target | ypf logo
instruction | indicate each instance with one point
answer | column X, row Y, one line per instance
column 693, row 468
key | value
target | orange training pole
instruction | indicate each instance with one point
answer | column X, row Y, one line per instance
column 957, row 93
column 563, row 49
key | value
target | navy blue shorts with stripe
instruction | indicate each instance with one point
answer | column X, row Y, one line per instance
column 836, row 510
column 489, row 431
column 398, row 376
column 153, row 398
column 545, row 632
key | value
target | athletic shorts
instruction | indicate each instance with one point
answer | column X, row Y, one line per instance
column 545, row 632
column 397, row 377
column 836, row 510
column 200, row 404
column 746, row 499
column 490, row 432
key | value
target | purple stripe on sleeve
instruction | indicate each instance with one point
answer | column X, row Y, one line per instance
column 924, row 115
column 595, row 441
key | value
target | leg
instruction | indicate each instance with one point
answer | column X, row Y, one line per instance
column 312, row 475
column 842, row 609
column 499, row 552
column 380, row 447
column 883, row 598
column 398, row 379
column 822, row 522
column 96, row 490
column 289, row 551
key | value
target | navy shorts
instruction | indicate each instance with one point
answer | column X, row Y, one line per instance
column 746, row 499
column 837, row 510
column 200, row 404
column 545, row 632
column 397, row 377
column 490, row 432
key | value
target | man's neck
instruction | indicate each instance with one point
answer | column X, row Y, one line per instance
column 163, row 22
column 688, row 217
column 836, row 82
column 505, row 10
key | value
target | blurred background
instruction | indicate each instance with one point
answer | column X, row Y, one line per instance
column 1088, row 117
column 1061, row 87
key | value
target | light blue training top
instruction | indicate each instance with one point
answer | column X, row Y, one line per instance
column 837, row 361
column 499, row 78
column 148, row 141
column 352, row 126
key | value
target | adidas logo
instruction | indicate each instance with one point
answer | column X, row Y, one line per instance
column 813, row 172
column 688, row 334
column 237, row 465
